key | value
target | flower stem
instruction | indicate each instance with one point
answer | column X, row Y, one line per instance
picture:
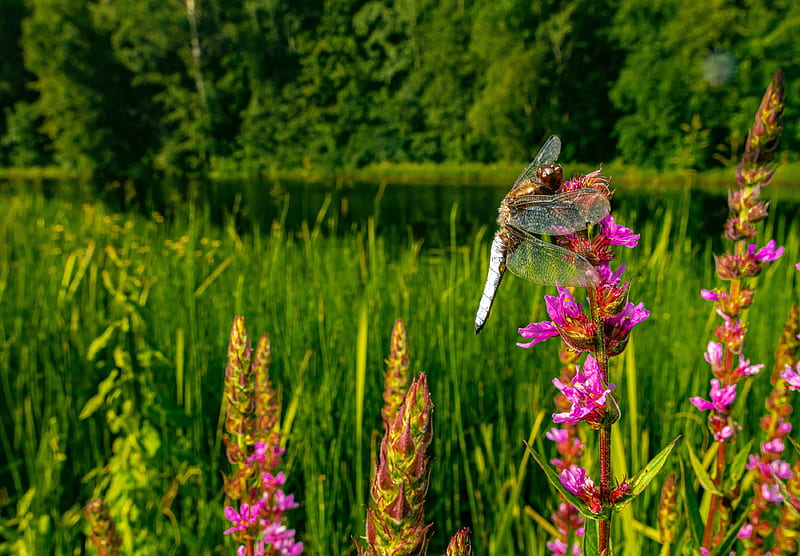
column 604, row 541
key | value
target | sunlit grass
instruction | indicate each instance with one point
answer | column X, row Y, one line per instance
column 70, row 273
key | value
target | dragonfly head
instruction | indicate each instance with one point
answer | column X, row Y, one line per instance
column 551, row 176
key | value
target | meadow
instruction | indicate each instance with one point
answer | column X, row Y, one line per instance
column 113, row 339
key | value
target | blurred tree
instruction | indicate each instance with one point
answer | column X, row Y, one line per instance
column 21, row 144
column 687, row 62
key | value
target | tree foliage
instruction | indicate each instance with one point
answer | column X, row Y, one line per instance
column 132, row 87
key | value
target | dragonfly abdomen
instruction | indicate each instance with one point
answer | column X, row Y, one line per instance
column 497, row 267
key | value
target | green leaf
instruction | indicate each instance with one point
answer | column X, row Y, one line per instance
column 736, row 467
column 552, row 476
column 591, row 539
column 97, row 400
column 693, row 516
column 702, row 474
column 100, row 342
column 643, row 478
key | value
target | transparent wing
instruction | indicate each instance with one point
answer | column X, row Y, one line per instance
column 559, row 214
column 546, row 155
column 548, row 264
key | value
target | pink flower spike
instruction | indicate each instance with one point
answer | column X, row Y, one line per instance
column 609, row 277
column 539, row 331
column 775, row 445
column 243, row 518
column 746, row 531
column 797, row 266
column 745, row 368
column 616, row 234
column 269, row 481
column 791, row 377
column 714, row 357
column 768, row 253
column 575, row 480
column 771, row 493
column 721, row 397
column 563, row 306
column 284, row 502
column 586, row 393
column 781, row 469
column 556, row 435
column 709, row 295
column 724, row 434
column 260, row 453
column 557, row 547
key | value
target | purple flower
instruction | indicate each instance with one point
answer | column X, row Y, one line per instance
column 242, row 519
column 745, row 368
column 281, row 539
column 714, row 356
column 539, row 331
column 587, row 394
column 781, row 469
column 768, row 253
column 791, row 377
column 557, row 435
column 721, row 397
column 628, row 318
column 616, row 234
column 746, row 531
column 268, row 481
column 557, row 547
column 775, row 445
column 724, row 434
column 771, row 493
column 284, row 502
column 575, row 480
column 709, row 295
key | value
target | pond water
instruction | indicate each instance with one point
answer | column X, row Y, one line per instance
column 399, row 210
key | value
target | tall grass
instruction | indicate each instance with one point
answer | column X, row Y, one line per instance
column 113, row 335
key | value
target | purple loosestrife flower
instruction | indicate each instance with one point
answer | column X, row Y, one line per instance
column 587, row 395
column 252, row 442
column 745, row 260
column 243, row 518
column 103, row 536
column 567, row 519
column 395, row 515
column 721, row 397
column 576, row 481
column 792, row 377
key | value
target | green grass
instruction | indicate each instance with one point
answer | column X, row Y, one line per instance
column 113, row 339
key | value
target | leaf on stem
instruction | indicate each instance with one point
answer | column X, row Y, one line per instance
column 700, row 472
column 737, row 465
column 554, row 480
column 591, row 539
column 643, row 478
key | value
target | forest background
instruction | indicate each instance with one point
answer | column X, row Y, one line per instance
column 141, row 88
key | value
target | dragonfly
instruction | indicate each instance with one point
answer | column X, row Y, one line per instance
column 533, row 206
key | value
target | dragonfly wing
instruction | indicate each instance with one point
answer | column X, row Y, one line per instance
column 548, row 264
column 559, row 214
column 546, row 155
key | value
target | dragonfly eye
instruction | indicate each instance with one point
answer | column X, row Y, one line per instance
column 551, row 176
